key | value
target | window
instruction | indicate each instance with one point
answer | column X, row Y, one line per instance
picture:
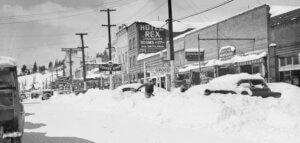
column 282, row 61
column 133, row 43
column 6, row 78
column 130, row 64
column 289, row 60
column 130, row 44
column 296, row 60
column 133, row 61
column 255, row 69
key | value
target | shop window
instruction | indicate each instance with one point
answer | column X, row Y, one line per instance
column 282, row 61
column 289, row 60
column 255, row 69
column 246, row 69
column 296, row 60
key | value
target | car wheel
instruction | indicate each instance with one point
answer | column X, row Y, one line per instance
column 16, row 140
column 207, row 92
column 245, row 93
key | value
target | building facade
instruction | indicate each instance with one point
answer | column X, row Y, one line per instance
column 237, row 44
column 285, row 36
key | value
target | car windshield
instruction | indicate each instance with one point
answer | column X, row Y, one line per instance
column 6, row 78
column 258, row 83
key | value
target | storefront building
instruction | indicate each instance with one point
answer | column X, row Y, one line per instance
column 285, row 36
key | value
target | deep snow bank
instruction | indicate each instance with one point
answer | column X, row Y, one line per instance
column 261, row 120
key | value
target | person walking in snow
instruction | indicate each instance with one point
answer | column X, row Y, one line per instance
column 149, row 88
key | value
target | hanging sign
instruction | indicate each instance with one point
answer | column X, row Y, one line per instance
column 226, row 53
column 110, row 67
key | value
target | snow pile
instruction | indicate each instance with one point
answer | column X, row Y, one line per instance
column 264, row 120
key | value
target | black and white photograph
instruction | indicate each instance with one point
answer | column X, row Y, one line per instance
column 149, row 71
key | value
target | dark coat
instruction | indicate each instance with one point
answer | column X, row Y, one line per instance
column 149, row 88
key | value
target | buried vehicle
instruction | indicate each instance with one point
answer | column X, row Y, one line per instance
column 11, row 108
column 245, row 84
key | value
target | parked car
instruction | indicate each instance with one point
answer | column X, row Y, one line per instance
column 47, row 93
column 245, row 85
column 11, row 108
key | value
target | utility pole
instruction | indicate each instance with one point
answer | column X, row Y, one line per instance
column 70, row 51
column 83, row 58
column 64, row 72
column 70, row 62
column 171, row 47
column 109, row 42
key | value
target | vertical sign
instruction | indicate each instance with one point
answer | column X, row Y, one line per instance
column 151, row 39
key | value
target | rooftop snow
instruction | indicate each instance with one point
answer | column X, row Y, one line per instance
column 178, row 26
column 143, row 56
column 215, row 62
column 7, row 61
column 193, row 50
column 280, row 9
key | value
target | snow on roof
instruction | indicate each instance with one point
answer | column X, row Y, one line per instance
column 178, row 26
column 143, row 56
column 7, row 61
column 276, row 10
column 226, row 47
column 229, row 81
column 215, row 62
column 193, row 50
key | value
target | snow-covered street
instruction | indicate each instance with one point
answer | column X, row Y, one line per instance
column 48, row 122
column 113, row 117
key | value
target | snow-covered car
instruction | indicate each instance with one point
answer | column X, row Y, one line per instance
column 44, row 93
column 245, row 84
column 128, row 87
column 11, row 108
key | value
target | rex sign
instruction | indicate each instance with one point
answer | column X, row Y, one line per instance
column 151, row 39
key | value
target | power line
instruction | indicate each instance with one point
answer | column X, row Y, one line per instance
column 203, row 11
column 55, row 18
column 60, row 11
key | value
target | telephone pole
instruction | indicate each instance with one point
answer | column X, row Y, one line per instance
column 83, row 57
column 109, row 41
column 69, row 51
column 171, row 47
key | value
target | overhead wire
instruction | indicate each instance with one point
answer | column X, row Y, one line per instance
column 203, row 11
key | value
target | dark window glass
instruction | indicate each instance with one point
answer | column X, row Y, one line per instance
column 296, row 60
column 289, row 60
column 6, row 78
column 255, row 69
column 282, row 61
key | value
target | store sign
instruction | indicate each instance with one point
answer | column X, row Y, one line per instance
column 151, row 39
column 194, row 56
column 110, row 67
column 250, row 62
column 226, row 53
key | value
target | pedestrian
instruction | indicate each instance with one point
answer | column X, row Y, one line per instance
column 184, row 86
column 149, row 88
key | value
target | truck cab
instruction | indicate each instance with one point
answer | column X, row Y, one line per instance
column 11, row 108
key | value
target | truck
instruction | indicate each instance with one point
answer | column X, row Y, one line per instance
column 11, row 107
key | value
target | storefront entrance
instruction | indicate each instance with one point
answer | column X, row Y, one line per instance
column 292, row 77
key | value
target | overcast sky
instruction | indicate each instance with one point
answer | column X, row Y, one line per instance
column 36, row 30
